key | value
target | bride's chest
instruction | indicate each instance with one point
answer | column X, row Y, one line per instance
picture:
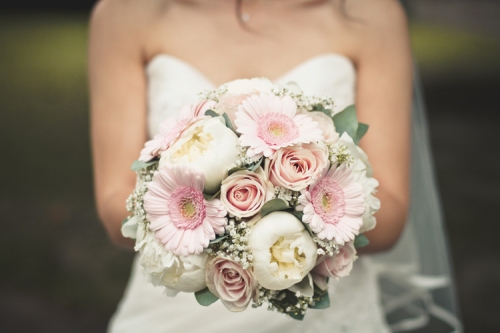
column 269, row 44
column 173, row 82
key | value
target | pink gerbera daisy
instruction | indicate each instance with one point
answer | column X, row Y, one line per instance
column 183, row 221
column 268, row 122
column 333, row 206
column 172, row 128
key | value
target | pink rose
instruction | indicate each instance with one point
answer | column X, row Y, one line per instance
column 326, row 125
column 339, row 265
column 297, row 167
column 229, row 103
column 244, row 192
column 234, row 285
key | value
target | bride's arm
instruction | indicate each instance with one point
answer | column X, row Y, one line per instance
column 118, row 109
column 384, row 102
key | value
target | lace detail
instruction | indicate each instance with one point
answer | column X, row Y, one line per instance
column 355, row 300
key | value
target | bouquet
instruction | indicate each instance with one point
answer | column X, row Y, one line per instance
column 257, row 194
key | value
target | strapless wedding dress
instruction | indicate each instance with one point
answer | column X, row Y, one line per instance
column 355, row 302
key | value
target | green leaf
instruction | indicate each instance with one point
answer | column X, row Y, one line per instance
column 298, row 316
column 361, row 241
column 346, row 121
column 139, row 165
column 217, row 240
column 125, row 220
column 362, row 129
column 273, row 206
column 228, row 122
column 205, row 297
column 322, row 303
column 308, row 228
column 211, row 113
column 215, row 195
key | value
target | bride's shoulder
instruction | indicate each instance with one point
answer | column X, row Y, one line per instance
column 122, row 25
column 378, row 24
column 125, row 16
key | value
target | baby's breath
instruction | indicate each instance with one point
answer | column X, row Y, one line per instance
column 243, row 160
column 135, row 202
column 235, row 244
column 213, row 95
column 286, row 195
column 339, row 153
column 283, row 301
column 326, row 247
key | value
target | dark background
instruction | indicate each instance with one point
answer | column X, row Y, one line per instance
column 58, row 270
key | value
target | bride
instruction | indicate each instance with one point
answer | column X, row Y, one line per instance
column 147, row 58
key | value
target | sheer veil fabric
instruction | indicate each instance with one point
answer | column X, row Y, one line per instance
column 416, row 277
column 412, row 283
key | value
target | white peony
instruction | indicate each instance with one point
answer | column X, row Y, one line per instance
column 283, row 251
column 207, row 145
column 163, row 268
column 248, row 86
column 362, row 172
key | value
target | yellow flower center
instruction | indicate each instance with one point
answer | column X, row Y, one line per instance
column 287, row 254
column 188, row 209
column 325, row 202
column 276, row 129
column 196, row 146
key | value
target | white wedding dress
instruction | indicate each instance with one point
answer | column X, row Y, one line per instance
column 355, row 300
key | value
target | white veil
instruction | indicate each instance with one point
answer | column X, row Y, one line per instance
column 416, row 278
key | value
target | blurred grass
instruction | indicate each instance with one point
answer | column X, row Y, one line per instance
column 55, row 246
column 448, row 52
column 43, row 99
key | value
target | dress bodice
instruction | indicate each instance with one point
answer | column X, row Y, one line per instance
column 173, row 83
column 355, row 304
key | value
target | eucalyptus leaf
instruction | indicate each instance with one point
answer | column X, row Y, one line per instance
column 298, row 316
column 125, row 220
column 256, row 165
column 308, row 228
column 139, row 165
column 233, row 170
column 361, row 241
column 297, row 214
column 205, row 297
column 218, row 239
column 211, row 113
column 273, row 206
column 346, row 121
column 322, row 303
column 362, row 129
column 229, row 124
column 250, row 168
column 215, row 195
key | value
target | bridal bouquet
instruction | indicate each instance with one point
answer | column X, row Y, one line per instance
column 256, row 194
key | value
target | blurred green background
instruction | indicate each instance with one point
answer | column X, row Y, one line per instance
column 60, row 272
